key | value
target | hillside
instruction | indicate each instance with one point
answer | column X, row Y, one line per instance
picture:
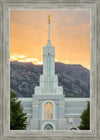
column 75, row 79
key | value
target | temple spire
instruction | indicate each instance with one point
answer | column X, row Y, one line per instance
column 49, row 27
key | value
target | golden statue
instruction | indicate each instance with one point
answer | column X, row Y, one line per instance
column 49, row 19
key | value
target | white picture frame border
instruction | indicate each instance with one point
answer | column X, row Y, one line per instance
column 5, row 7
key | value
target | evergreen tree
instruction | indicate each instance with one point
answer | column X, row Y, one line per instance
column 85, row 123
column 17, row 117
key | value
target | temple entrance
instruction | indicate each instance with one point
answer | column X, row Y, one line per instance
column 48, row 127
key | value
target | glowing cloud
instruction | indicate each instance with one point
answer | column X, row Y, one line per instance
column 66, row 61
column 13, row 58
column 31, row 59
column 16, row 57
column 22, row 58
column 39, row 62
column 21, row 61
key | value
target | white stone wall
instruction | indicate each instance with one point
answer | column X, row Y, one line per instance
column 72, row 110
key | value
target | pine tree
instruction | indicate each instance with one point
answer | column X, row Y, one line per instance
column 85, row 123
column 17, row 117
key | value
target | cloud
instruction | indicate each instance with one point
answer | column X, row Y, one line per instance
column 40, row 62
column 20, row 60
column 15, row 57
column 66, row 61
column 31, row 59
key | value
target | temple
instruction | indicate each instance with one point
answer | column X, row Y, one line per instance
column 48, row 109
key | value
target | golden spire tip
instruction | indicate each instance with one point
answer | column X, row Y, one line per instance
column 49, row 18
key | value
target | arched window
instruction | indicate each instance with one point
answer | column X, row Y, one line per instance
column 48, row 127
column 48, row 111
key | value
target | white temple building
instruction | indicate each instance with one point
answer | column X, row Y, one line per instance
column 48, row 109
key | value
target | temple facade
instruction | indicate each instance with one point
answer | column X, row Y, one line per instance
column 48, row 109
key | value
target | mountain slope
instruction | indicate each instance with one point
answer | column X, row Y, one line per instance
column 74, row 79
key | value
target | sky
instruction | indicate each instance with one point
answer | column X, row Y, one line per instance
column 69, row 34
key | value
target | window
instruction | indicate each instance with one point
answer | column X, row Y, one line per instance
column 48, row 111
column 48, row 127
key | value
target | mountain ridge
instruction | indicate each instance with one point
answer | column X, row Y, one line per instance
column 75, row 79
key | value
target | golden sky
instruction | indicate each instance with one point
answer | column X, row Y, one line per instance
column 69, row 34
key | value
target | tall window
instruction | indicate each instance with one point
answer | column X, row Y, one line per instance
column 48, row 111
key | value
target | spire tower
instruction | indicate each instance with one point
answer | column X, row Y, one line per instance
column 49, row 81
